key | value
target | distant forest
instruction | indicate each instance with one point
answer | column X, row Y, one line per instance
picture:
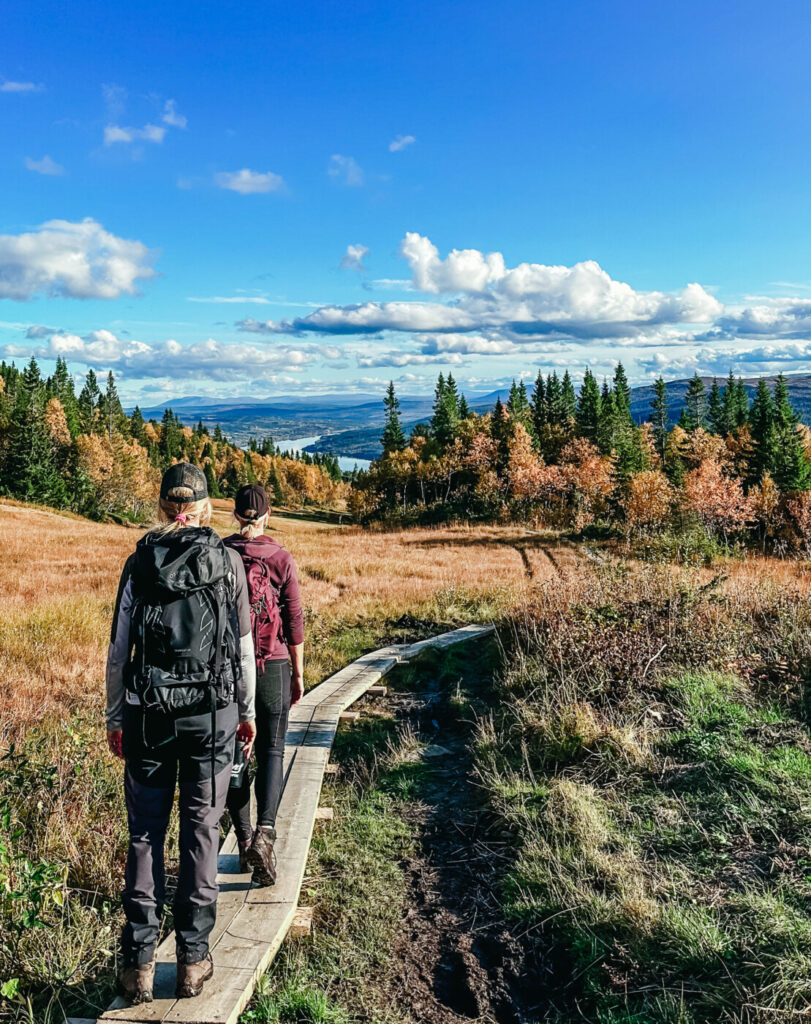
column 84, row 453
column 732, row 467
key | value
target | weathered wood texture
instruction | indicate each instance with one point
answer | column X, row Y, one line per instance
column 252, row 922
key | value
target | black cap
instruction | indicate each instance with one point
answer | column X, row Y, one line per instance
column 251, row 502
column 184, row 482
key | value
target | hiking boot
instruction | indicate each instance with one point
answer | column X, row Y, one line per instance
column 135, row 983
column 244, row 863
column 261, row 856
column 192, row 977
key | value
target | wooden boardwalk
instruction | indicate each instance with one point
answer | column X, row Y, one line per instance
column 253, row 922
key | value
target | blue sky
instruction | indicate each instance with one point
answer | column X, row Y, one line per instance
column 386, row 191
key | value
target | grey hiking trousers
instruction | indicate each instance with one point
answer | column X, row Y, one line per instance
column 151, row 777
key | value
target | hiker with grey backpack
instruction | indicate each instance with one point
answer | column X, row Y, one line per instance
column 180, row 693
column 278, row 634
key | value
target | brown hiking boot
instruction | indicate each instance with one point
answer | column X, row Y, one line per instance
column 261, row 856
column 192, row 977
column 135, row 983
column 244, row 863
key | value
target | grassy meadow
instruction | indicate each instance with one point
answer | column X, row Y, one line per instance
column 643, row 745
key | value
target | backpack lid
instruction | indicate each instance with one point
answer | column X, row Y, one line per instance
column 181, row 561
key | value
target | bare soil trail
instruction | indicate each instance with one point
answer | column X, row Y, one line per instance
column 455, row 958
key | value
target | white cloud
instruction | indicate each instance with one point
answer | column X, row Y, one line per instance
column 248, row 182
column 171, row 115
column 526, row 304
column 114, row 133
column 72, row 260
column 211, row 359
column 257, row 300
column 395, row 358
column 400, row 143
column 44, row 166
column 467, row 344
column 354, row 256
column 346, row 170
column 21, row 87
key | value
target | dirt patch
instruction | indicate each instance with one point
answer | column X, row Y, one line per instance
column 455, row 958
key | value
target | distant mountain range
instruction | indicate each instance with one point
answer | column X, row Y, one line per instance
column 350, row 423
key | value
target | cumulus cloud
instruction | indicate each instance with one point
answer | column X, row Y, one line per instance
column 44, row 166
column 21, row 87
column 345, row 170
column 778, row 318
column 354, row 256
column 211, row 359
column 248, row 182
column 400, row 143
column 171, row 115
column 114, row 133
column 478, row 293
column 72, row 260
column 394, row 358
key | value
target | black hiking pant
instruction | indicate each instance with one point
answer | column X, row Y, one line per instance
column 272, row 710
column 150, row 780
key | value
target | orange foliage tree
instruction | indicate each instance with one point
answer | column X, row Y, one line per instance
column 717, row 500
column 648, row 502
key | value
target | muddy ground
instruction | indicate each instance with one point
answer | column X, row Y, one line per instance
column 455, row 958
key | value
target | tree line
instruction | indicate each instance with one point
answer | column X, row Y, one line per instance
column 570, row 458
column 84, row 453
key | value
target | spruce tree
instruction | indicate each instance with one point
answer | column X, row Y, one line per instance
column 464, row 408
column 622, row 393
column 392, row 438
column 661, row 417
column 695, row 404
column 88, row 403
column 764, row 433
column 170, row 446
column 211, row 480
column 588, row 407
column 742, row 409
column 138, row 427
column 791, row 468
column 538, row 405
column 62, row 388
column 729, row 406
column 568, row 400
column 445, row 418
column 716, row 420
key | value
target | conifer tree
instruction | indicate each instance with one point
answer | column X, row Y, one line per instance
column 764, row 433
column 716, row 419
column 392, row 438
column 568, row 400
column 170, row 446
column 588, row 407
column 694, row 414
column 211, row 480
column 464, row 408
column 445, row 418
column 538, row 405
column 138, row 427
column 741, row 404
column 62, row 388
column 622, row 393
column 661, row 417
column 791, row 470
column 729, row 406
column 88, row 403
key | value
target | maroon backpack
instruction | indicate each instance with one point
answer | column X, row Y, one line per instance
column 266, row 616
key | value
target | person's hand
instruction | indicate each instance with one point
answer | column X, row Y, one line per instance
column 296, row 688
column 114, row 742
column 246, row 734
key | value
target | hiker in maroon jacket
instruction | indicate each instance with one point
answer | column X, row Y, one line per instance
column 278, row 635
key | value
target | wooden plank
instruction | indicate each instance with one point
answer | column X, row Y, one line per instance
column 377, row 691
column 252, row 921
column 332, row 769
column 221, row 1001
column 302, row 923
column 324, row 814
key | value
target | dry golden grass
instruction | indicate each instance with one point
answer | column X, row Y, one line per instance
column 59, row 574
